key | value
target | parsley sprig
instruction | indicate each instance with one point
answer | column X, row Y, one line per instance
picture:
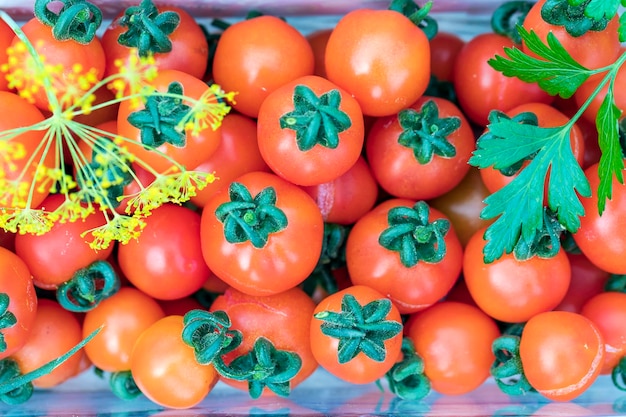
column 519, row 205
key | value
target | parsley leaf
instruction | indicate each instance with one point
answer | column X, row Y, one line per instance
column 611, row 160
column 622, row 28
column 556, row 72
column 599, row 9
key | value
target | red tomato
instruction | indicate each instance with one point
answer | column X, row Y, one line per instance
column 166, row 261
column 54, row 332
column 480, row 88
column 261, row 235
column 165, row 368
column 454, row 340
column 180, row 306
column 412, row 284
column 561, row 353
column 7, row 240
column 361, row 368
column 256, row 56
column 6, row 37
column 318, row 41
column 189, row 48
column 381, row 58
column 348, row 197
column 600, row 237
column 55, row 256
column 405, row 154
column 17, row 286
column 310, row 131
column 587, row 281
column 195, row 148
column 282, row 318
column 511, row 290
column 444, row 49
column 586, row 89
column 124, row 315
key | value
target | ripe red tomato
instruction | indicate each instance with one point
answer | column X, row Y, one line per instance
column 444, row 49
column 361, row 368
column 165, row 368
column 310, row 131
column 166, row 260
column 454, row 340
column 381, row 58
column 386, row 265
column 255, row 56
column 262, row 234
column 318, row 41
column 124, row 315
column 406, row 154
column 599, row 236
column 6, row 37
column 587, row 281
column 587, row 88
column 562, row 354
column 513, row 290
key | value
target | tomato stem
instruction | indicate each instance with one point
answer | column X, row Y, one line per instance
column 77, row 20
column 618, row 375
column 572, row 17
column 123, row 385
column 88, row 287
column 406, row 378
column 7, row 319
column 616, row 282
column 507, row 16
column 545, row 242
column 9, row 369
column 418, row 15
column 209, row 334
column 507, row 368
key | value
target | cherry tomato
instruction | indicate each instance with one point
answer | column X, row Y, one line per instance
column 261, row 235
column 587, row 88
column 318, row 41
column 381, row 58
column 255, row 56
column 166, row 260
column 361, row 368
column 310, row 131
column 165, row 368
column 454, row 341
column 6, row 37
column 562, row 354
column 587, row 281
column 444, row 49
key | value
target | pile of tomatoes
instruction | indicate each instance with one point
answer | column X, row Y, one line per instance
column 343, row 229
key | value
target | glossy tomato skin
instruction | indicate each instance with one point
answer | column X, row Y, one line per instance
column 361, row 369
column 454, row 340
column 480, row 88
column 283, row 318
column 318, row 41
column 256, row 56
column 165, row 368
column 197, row 148
column 166, row 260
column 410, row 288
column 55, row 256
column 444, row 49
column 348, row 197
column 381, row 58
column 190, row 50
column 278, row 144
column 16, row 283
column 289, row 255
column 587, row 281
column 124, row 315
column 561, row 353
column 512, row 290
column 607, row 310
column 397, row 169
column 6, row 37
column 600, row 237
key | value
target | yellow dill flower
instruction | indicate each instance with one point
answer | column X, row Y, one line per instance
column 180, row 187
column 133, row 75
column 71, row 210
column 209, row 110
column 25, row 221
column 143, row 202
column 120, row 228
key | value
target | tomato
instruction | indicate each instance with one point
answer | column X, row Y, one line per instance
column 75, row 63
column 180, row 306
column 386, row 265
column 454, row 341
column 310, row 131
column 54, row 332
column 124, row 315
column 189, row 48
column 6, row 37
column 480, row 88
column 318, row 41
column 7, row 240
column 261, row 234
column 599, row 236
column 237, row 153
column 165, row 368
column 607, row 311
column 19, row 312
column 406, row 153
column 103, row 114
column 348, row 197
column 381, row 58
column 55, row 256
column 15, row 165
column 187, row 147
column 513, row 290
column 283, row 318
column 444, row 49
column 561, row 353
column 256, row 56
column 594, row 49
column 463, row 205
column 360, row 367
column 166, row 260
column 547, row 116
column 587, row 281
